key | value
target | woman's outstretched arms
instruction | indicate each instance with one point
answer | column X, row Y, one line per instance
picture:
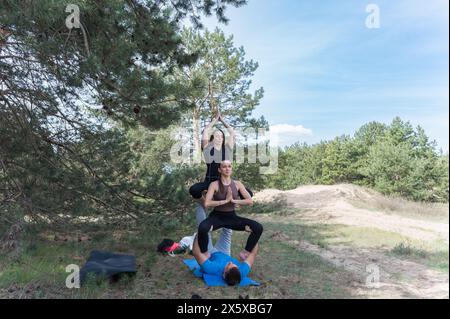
column 230, row 140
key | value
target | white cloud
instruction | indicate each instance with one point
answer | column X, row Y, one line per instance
column 290, row 129
column 287, row 134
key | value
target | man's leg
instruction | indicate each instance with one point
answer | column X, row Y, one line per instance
column 224, row 243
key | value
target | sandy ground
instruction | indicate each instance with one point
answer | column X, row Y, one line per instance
column 399, row 278
column 331, row 204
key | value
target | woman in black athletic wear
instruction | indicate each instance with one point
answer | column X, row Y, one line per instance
column 223, row 195
column 215, row 150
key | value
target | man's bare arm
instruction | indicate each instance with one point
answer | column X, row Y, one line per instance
column 251, row 258
column 198, row 255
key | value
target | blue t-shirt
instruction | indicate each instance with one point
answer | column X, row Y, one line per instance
column 217, row 262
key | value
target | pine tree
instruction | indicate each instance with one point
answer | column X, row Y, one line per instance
column 219, row 80
column 62, row 89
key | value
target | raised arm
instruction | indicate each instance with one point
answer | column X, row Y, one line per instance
column 251, row 257
column 198, row 255
column 209, row 202
column 247, row 198
column 230, row 139
column 207, row 130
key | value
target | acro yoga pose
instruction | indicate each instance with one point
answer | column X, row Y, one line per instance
column 215, row 149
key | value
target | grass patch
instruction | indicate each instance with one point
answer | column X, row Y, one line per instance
column 438, row 212
column 408, row 250
column 38, row 269
column 275, row 208
column 434, row 254
column 318, row 234
column 437, row 258
column 42, row 258
column 296, row 273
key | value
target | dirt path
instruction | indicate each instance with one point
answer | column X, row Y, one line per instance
column 331, row 205
column 398, row 277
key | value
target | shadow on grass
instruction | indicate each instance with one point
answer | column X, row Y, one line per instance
column 38, row 269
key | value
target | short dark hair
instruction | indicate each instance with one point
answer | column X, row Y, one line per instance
column 233, row 276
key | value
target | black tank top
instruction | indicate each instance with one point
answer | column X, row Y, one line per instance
column 213, row 159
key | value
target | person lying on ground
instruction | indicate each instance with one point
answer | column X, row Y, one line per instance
column 218, row 261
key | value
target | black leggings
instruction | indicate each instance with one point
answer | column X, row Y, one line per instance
column 229, row 220
column 197, row 189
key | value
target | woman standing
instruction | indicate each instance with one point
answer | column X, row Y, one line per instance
column 215, row 150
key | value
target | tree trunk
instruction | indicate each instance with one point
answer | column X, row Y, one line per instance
column 212, row 101
column 9, row 241
column 197, row 146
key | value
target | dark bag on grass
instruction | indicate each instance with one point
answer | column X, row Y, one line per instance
column 105, row 264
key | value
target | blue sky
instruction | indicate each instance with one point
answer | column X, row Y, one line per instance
column 326, row 74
